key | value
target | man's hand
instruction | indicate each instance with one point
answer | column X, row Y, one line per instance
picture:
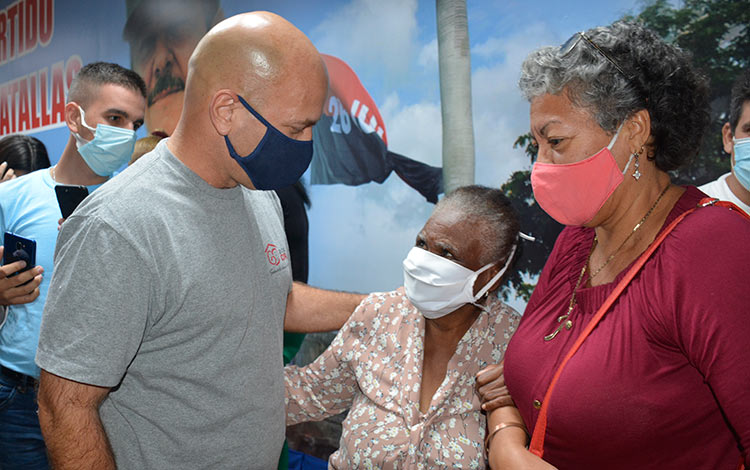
column 491, row 388
column 6, row 173
column 71, row 427
column 21, row 288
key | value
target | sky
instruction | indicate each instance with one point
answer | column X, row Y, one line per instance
column 360, row 235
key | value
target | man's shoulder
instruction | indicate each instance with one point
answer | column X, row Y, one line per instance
column 264, row 197
column 28, row 194
column 32, row 183
column 716, row 188
column 264, row 203
column 128, row 192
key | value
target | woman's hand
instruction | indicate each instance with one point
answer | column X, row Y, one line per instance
column 491, row 388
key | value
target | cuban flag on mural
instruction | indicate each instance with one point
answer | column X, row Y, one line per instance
column 350, row 144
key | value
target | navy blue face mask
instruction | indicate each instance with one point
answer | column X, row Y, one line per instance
column 278, row 161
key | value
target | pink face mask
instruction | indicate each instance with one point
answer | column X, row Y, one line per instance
column 572, row 193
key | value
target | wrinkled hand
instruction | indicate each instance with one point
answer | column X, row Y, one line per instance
column 491, row 388
column 22, row 288
column 6, row 174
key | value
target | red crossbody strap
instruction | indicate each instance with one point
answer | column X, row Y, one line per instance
column 537, row 439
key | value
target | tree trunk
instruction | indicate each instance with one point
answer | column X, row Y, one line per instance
column 455, row 93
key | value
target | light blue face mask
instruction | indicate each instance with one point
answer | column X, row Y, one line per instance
column 110, row 148
column 742, row 161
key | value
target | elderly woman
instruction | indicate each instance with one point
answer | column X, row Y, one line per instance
column 663, row 378
column 405, row 361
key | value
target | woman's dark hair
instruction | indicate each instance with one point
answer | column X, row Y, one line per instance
column 654, row 75
column 23, row 153
column 500, row 231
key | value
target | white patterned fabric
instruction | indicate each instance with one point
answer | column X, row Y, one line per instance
column 374, row 367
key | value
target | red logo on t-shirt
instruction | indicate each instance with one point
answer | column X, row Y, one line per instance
column 273, row 254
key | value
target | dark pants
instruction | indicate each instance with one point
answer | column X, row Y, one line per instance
column 21, row 443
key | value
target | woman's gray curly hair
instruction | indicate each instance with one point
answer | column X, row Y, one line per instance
column 658, row 77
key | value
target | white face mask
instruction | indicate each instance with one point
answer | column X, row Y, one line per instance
column 438, row 286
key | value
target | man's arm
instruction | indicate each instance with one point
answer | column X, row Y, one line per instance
column 310, row 310
column 72, row 430
column 22, row 288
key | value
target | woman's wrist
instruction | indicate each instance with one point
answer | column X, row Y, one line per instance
column 506, row 448
column 506, row 426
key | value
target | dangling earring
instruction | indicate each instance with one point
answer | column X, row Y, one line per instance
column 637, row 172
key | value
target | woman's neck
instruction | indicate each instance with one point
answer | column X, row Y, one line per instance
column 441, row 336
column 453, row 325
column 631, row 227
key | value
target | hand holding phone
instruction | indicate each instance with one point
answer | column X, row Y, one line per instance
column 18, row 248
column 19, row 285
column 68, row 198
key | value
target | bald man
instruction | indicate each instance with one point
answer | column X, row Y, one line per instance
column 161, row 342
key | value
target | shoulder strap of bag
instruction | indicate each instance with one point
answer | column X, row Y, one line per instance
column 537, row 439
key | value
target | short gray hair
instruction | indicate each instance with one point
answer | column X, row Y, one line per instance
column 493, row 208
column 656, row 76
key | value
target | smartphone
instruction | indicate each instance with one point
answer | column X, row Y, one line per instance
column 19, row 248
column 68, row 197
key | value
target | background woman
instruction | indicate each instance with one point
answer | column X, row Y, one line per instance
column 21, row 154
column 662, row 381
column 405, row 361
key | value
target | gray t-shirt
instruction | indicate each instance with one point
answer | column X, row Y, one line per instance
column 173, row 293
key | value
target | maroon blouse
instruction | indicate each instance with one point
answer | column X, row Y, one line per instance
column 664, row 379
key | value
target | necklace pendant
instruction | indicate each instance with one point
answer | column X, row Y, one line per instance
column 563, row 324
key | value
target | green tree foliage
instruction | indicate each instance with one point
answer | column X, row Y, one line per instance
column 534, row 222
column 717, row 33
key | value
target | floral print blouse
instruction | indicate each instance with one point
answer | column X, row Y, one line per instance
column 374, row 368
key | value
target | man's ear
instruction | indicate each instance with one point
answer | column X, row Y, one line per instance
column 73, row 117
column 726, row 138
column 221, row 110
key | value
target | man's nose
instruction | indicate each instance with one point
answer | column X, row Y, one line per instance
column 164, row 59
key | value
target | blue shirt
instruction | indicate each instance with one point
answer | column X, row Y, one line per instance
column 28, row 207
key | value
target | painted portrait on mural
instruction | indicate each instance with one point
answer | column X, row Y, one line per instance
column 161, row 36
